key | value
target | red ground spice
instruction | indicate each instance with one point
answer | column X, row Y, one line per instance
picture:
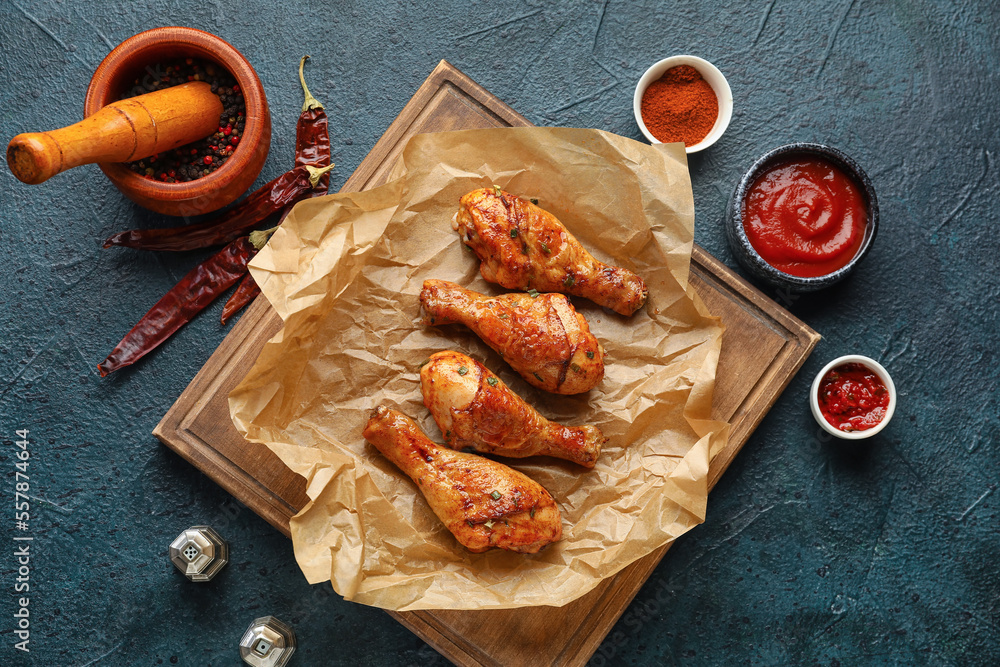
column 679, row 106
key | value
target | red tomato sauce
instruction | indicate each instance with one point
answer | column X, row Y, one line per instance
column 805, row 217
column 853, row 398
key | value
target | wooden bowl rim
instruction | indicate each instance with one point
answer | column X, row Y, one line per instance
column 206, row 45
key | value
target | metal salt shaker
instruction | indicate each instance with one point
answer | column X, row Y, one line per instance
column 268, row 642
column 199, row 552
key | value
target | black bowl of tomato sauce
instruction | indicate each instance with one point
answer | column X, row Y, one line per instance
column 802, row 217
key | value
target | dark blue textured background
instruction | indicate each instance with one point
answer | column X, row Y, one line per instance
column 884, row 553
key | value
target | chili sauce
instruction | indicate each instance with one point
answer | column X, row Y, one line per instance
column 805, row 217
column 853, row 398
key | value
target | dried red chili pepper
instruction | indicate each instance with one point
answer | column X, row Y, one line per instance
column 312, row 146
column 245, row 292
column 312, row 135
column 178, row 306
column 271, row 198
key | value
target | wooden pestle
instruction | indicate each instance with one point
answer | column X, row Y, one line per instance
column 120, row 132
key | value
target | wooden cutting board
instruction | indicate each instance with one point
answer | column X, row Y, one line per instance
column 762, row 349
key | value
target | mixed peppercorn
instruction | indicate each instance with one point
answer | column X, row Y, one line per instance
column 202, row 157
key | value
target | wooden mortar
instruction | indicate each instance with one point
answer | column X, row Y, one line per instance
column 135, row 58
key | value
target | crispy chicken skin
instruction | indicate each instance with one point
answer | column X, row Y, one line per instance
column 524, row 247
column 485, row 504
column 543, row 338
column 474, row 408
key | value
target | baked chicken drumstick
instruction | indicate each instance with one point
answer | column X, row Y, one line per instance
column 543, row 338
column 474, row 408
column 524, row 247
column 485, row 504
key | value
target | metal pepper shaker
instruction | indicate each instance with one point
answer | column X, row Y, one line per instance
column 199, row 553
column 268, row 642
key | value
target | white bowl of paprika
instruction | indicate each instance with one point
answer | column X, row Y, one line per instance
column 683, row 98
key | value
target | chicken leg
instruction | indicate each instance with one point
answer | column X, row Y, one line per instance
column 543, row 338
column 473, row 408
column 524, row 247
column 485, row 504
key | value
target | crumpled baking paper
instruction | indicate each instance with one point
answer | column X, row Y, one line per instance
column 344, row 273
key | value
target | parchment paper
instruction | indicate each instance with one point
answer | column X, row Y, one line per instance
column 345, row 271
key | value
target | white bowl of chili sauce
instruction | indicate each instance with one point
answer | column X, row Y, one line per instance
column 853, row 397
column 688, row 100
